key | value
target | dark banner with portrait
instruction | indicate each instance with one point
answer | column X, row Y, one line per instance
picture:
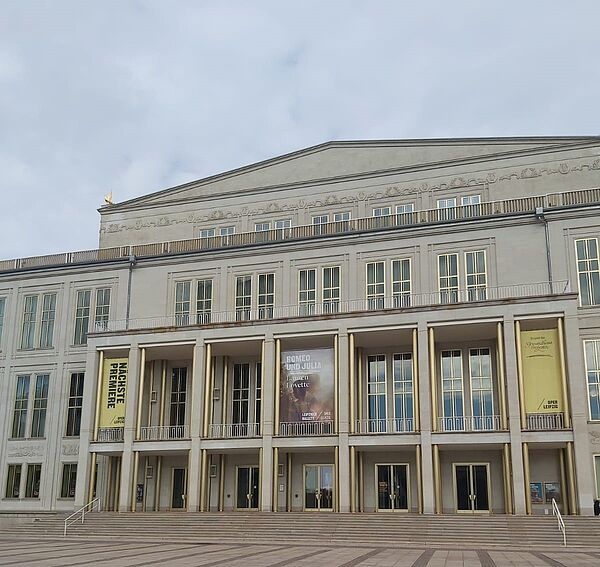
column 307, row 385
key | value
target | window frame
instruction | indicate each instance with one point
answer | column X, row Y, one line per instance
column 480, row 291
column 3, row 302
column 16, row 467
column 243, row 303
column 306, row 306
column 596, row 343
column 331, row 304
column 375, row 299
column 30, row 488
column 71, row 481
column 453, row 390
column 21, row 405
column 453, row 291
column 73, row 409
column 401, row 298
column 39, row 409
column 588, row 272
column 265, row 308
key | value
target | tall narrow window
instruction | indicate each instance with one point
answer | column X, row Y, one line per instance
column 266, row 295
column 69, row 480
column 307, row 291
column 376, row 393
column 482, row 393
column 331, row 289
column 2, row 308
column 102, row 309
column 40, row 405
column 75, row 404
column 476, row 275
column 448, row 277
column 258, row 397
column 375, row 285
column 13, row 481
column 241, row 394
column 204, row 302
column 182, row 303
column 452, row 390
column 447, row 209
column 47, row 324
column 588, row 271
column 32, row 487
column 29, row 322
column 592, row 367
column 243, row 298
column 401, row 288
column 21, row 402
column 82, row 316
column 403, row 392
column 178, row 395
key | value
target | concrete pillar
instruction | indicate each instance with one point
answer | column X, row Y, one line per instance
column 196, row 421
column 519, row 489
column 268, row 404
column 343, row 471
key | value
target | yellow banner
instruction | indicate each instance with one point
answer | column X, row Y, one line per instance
column 541, row 371
column 114, row 393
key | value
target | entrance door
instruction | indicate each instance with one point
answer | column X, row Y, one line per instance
column 178, row 489
column 247, row 488
column 392, row 487
column 318, row 487
column 472, row 487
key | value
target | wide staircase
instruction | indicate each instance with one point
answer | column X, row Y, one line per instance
column 381, row 529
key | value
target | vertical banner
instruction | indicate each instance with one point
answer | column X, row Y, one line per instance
column 541, row 371
column 307, row 385
column 114, row 393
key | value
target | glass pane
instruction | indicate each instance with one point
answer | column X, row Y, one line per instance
column 310, row 487
column 463, row 487
column 384, row 501
column 480, row 487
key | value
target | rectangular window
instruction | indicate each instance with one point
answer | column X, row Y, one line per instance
column 102, row 311
column 403, row 392
column 204, row 302
column 281, row 224
column 331, row 290
column 588, row 271
column 376, row 393
column 13, row 481
column 48, row 316
column 405, row 208
column 243, row 298
column 320, row 224
column 266, row 295
column 241, row 394
column 375, row 285
column 2, row 308
column 592, row 369
column 382, row 211
column 307, row 291
column 262, row 226
column 82, row 316
column 597, row 471
column 178, row 395
column 34, row 474
column 40, row 405
column 452, row 390
column 227, row 230
column 343, row 216
column 29, row 322
column 69, row 480
column 469, row 200
column 21, row 402
column 182, row 303
column 482, row 391
column 448, row 278
column 74, row 404
column 207, row 233
column 401, row 284
column 447, row 209
column 476, row 275
column 258, row 397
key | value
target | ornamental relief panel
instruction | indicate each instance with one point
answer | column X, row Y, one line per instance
column 26, row 450
column 70, row 450
column 391, row 191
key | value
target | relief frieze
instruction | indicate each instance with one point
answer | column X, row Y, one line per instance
column 25, row 450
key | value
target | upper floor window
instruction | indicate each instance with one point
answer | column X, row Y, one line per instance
column 452, row 390
column 19, row 424
column 262, row 226
column 184, row 301
column 375, row 285
column 2, row 309
column 204, row 301
column 83, row 309
column 226, row 230
column 283, row 223
column 207, row 233
column 447, row 208
column 266, row 295
column 331, row 289
column 468, row 200
column 35, row 310
column 405, row 208
column 178, row 395
column 307, row 291
column 342, row 216
column 401, row 282
column 40, row 405
column 588, row 271
column 592, row 368
column 243, row 298
column 319, row 221
column 382, row 211
column 448, row 277
column 476, row 275
column 74, row 404
column 376, row 392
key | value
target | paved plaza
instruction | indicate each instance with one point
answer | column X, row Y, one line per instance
column 20, row 552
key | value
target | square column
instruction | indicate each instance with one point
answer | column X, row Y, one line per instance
column 196, row 420
column 267, row 478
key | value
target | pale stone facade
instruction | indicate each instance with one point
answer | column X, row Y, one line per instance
column 408, row 259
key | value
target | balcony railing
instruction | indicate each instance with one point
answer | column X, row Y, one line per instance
column 164, row 432
column 305, row 428
column 391, row 425
column 470, row 423
column 405, row 301
column 545, row 421
column 454, row 214
column 233, row 430
column 110, row 434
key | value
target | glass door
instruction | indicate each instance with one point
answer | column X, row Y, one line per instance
column 318, row 487
column 247, row 491
column 472, row 487
column 392, row 487
column 178, row 489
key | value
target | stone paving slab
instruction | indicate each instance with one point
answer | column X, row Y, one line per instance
column 75, row 553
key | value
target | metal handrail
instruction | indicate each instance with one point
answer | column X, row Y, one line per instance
column 561, row 522
column 95, row 503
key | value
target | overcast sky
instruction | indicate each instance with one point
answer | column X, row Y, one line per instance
column 136, row 96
